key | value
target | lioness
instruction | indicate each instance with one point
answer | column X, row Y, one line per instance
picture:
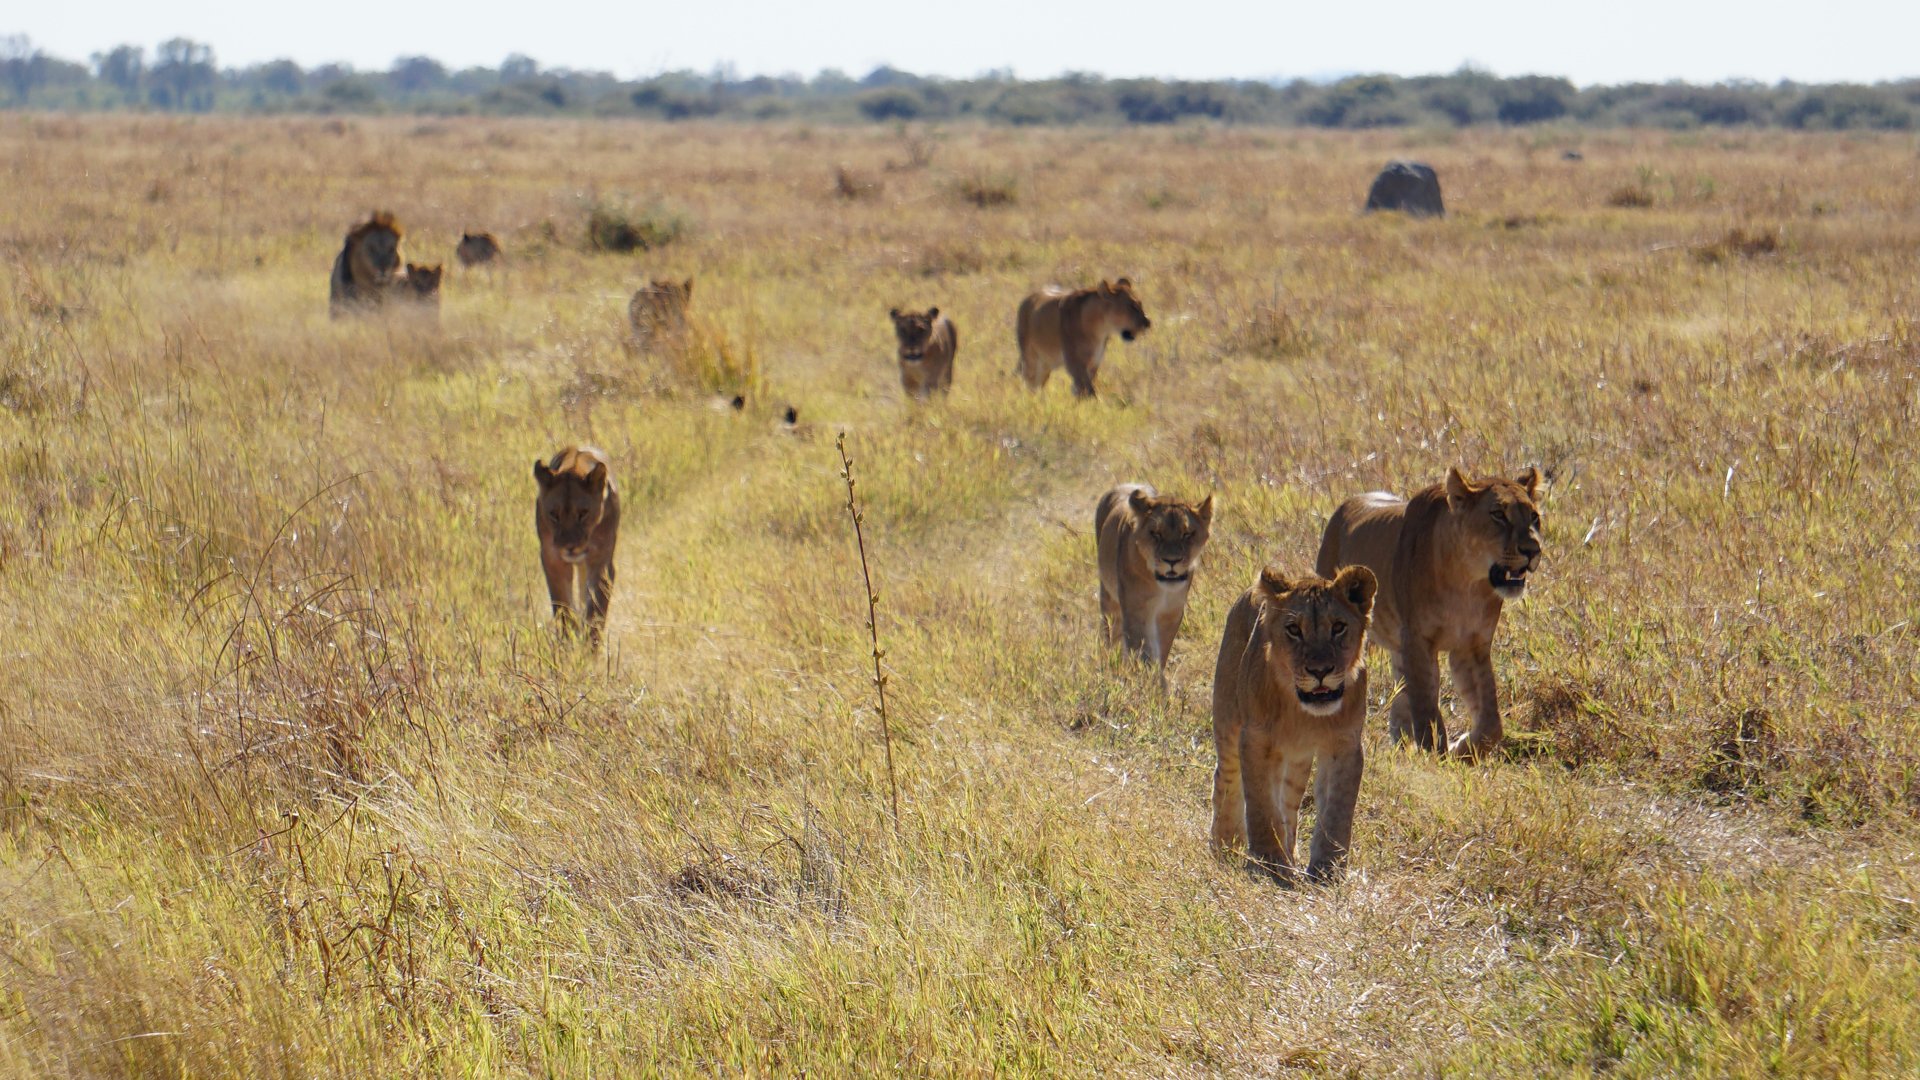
column 1057, row 326
column 659, row 308
column 577, row 516
column 1447, row 559
column 421, row 285
column 367, row 266
column 476, row 248
column 928, row 344
column 1290, row 693
column 1148, row 548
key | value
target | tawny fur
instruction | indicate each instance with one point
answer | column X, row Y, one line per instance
column 1057, row 327
column 1437, row 556
column 1149, row 547
column 659, row 310
column 577, row 516
column 928, row 343
column 1290, row 700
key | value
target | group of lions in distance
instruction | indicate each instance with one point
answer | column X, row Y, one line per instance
column 1427, row 575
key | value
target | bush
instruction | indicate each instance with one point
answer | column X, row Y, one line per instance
column 623, row 229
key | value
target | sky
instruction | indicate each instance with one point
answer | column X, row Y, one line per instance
column 1588, row 42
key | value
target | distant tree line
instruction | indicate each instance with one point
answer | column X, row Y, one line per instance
column 182, row 76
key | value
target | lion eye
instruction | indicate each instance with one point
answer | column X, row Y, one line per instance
column 1293, row 631
column 1339, row 629
column 1500, row 516
column 553, row 516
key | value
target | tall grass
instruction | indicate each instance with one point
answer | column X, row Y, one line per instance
column 294, row 779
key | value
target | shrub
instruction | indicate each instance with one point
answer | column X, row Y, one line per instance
column 623, row 229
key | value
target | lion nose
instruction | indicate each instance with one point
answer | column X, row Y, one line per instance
column 1320, row 671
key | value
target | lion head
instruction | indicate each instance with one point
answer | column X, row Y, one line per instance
column 573, row 500
column 1171, row 534
column 423, row 282
column 1497, row 525
column 660, row 305
column 1315, row 632
column 476, row 248
column 915, row 331
column 1124, row 308
column 374, row 249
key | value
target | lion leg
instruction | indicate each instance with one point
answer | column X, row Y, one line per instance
column 1136, row 629
column 1474, row 687
column 1111, row 618
column 1082, row 369
column 1420, row 668
column 1336, row 789
column 598, row 587
column 559, row 586
column 1270, row 817
column 1229, row 799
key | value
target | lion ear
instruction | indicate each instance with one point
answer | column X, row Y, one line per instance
column 1205, row 510
column 1273, row 582
column 1458, row 489
column 1139, row 500
column 687, row 287
column 1105, row 286
column 933, row 313
column 1358, row 585
column 893, row 313
column 543, row 474
column 1531, row 481
column 597, row 478
column 1123, row 283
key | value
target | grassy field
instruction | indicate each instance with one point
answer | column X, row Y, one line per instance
column 295, row 780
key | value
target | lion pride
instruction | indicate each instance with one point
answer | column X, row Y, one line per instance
column 1447, row 560
column 1057, row 327
column 1289, row 701
column 577, row 517
column 367, row 267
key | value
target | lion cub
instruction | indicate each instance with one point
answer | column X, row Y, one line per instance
column 1447, row 560
column 1290, row 693
column 1148, row 547
column 659, row 310
column 928, row 344
column 577, row 515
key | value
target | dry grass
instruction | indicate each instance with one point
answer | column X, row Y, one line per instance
column 294, row 779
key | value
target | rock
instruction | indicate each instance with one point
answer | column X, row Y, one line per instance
column 1407, row 186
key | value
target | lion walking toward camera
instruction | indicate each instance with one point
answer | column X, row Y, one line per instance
column 1149, row 547
column 1448, row 560
column 577, row 517
column 1289, row 704
column 928, row 344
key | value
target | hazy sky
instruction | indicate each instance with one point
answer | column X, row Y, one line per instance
column 1616, row 41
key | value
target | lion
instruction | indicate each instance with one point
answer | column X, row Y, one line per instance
column 421, row 285
column 1057, row 327
column 1149, row 547
column 928, row 344
column 660, row 308
column 1447, row 560
column 367, row 266
column 1290, row 696
column 577, row 516
column 475, row 249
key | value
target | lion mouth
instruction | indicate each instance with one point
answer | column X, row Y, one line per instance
column 1172, row 579
column 1321, row 699
column 913, row 357
column 1506, row 581
column 575, row 557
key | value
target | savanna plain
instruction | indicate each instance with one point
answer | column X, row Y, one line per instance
column 296, row 779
